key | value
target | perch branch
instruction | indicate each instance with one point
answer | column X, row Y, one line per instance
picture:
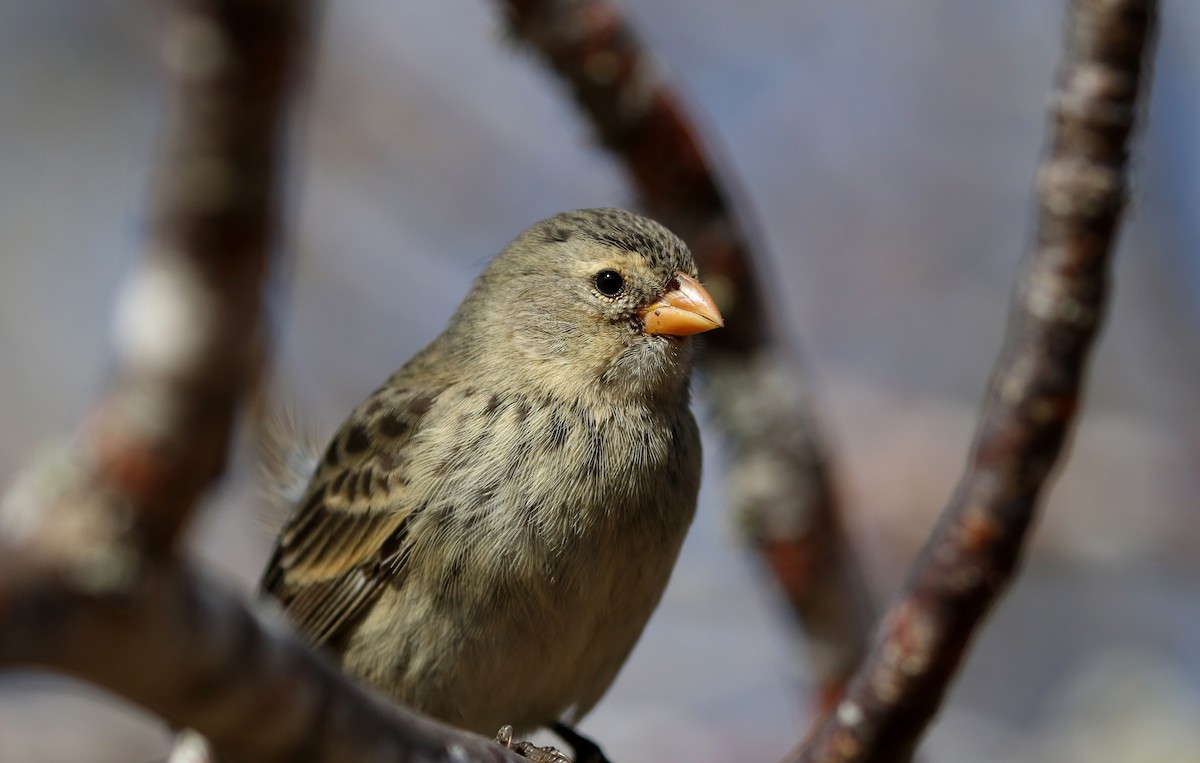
column 1030, row 404
column 178, row 645
column 779, row 474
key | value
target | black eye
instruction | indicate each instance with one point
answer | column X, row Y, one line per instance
column 609, row 282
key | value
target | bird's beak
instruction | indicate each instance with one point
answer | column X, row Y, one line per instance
column 686, row 308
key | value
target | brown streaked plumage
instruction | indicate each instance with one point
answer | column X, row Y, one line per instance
column 486, row 535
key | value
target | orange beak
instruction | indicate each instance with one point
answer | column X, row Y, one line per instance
column 685, row 309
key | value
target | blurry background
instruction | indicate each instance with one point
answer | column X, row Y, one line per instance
column 887, row 150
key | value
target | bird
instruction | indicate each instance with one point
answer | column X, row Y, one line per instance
column 486, row 535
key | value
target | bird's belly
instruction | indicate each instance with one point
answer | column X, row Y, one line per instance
column 513, row 646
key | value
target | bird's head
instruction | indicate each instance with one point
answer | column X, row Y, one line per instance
column 599, row 299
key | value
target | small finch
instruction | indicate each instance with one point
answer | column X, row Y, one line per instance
column 487, row 534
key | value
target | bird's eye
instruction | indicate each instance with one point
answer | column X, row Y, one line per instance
column 609, row 283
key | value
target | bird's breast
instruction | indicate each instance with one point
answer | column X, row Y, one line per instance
column 534, row 482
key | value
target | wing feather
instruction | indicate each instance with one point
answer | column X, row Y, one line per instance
column 348, row 538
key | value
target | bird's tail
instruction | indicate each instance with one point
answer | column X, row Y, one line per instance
column 287, row 456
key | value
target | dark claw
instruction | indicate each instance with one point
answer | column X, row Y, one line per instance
column 586, row 751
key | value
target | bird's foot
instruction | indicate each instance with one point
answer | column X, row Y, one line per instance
column 528, row 749
column 586, row 751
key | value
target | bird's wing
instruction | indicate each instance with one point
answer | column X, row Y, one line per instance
column 349, row 536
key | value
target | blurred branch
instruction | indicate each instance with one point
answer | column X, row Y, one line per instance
column 1031, row 400
column 780, row 475
column 88, row 581
column 180, row 646
column 188, row 325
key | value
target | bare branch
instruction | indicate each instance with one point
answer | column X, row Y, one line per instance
column 189, row 326
column 1030, row 404
column 180, row 646
column 789, row 512
column 779, row 476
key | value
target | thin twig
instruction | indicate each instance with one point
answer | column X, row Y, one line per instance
column 779, row 473
column 1031, row 401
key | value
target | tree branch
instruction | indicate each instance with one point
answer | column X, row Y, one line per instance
column 180, row 646
column 779, row 473
column 1030, row 403
column 189, row 325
